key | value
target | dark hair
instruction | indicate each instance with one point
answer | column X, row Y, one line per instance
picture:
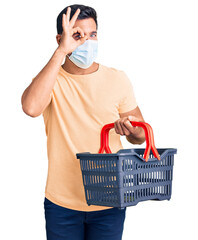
column 85, row 12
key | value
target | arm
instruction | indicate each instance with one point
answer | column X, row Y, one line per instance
column 134, row 135
column 37, row 95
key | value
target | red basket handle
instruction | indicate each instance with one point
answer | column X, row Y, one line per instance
column 153, row 148
column 148, row 135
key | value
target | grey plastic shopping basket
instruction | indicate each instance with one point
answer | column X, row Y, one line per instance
column 129, row 176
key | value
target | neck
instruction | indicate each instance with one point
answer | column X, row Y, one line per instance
column 71, row 68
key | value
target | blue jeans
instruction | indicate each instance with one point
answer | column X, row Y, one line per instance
column 67, row 224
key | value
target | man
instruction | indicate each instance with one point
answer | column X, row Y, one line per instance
column 76, row 100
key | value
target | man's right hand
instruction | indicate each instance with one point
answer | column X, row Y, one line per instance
column 67, row 42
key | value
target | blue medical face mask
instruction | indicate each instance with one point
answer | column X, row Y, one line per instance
column 85, row 54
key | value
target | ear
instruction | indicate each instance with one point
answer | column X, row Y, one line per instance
column 58, row 38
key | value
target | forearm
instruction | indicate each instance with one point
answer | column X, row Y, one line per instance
column 37, row 93
column 138, row 137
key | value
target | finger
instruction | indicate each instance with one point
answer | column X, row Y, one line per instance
column 63, row 21
column 124, row 128
column 131, row 119
column 82, row 40
column 129, row 126
column 75, row 16
column 79, row 30
column 68, row 15
column 119, row 128
column 115, row 127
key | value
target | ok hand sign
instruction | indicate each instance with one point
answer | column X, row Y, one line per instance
column 67, row 42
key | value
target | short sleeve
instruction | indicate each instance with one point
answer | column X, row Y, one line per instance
column 127, row 101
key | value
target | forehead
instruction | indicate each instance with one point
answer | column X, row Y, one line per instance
column 87, row 25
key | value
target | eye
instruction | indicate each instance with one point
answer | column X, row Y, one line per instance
column 77, row 36
column 94, row 34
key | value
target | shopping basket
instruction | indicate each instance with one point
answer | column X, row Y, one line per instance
column 129, row 176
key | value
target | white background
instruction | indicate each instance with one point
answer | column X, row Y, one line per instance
column 155, row 43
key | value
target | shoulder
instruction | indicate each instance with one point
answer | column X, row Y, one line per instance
column 117, row 74
column 113, row 71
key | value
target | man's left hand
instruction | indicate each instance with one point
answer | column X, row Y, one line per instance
column 124, row 127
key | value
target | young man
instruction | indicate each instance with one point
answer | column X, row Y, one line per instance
column 76, row 100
